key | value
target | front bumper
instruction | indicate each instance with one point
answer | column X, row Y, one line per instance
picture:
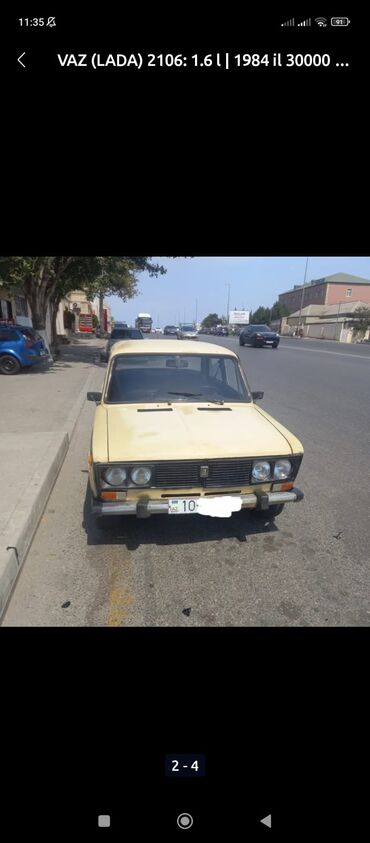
column 146, row 508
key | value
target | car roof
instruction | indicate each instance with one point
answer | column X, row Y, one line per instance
column 168, row 346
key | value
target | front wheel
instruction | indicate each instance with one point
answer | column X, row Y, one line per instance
column 9, row 365
column 240, row 342
column 270, row 513
column 275, row 344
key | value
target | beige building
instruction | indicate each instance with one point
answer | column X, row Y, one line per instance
column 325, row 322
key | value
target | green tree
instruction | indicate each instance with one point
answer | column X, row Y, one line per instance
column 211, row 320
column 46, row 280
column 278, row 311
column 361, row 320
column 261, row 316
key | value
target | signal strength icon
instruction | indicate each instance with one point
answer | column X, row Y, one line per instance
column 305, row 22
column 289, row 22
column 321, row 21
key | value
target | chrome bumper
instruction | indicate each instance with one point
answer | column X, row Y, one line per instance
column 146, row 508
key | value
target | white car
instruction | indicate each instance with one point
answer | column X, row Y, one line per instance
column 187, row 332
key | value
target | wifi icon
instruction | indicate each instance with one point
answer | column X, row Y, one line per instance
column 321, row 21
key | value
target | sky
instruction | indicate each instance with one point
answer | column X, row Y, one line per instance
column 194, row 287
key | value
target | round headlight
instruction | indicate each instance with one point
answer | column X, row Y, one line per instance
column 282, row 469
column 115, row 476
column 141, row 475
column 261, row 470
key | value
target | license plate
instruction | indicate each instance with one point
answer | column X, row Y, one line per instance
column 269, row 342
column 219, row 507
column 182, row 506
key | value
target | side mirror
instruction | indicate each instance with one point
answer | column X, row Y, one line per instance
column 257, row 395
column 94, row 396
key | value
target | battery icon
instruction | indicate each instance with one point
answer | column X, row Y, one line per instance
column 340, row 21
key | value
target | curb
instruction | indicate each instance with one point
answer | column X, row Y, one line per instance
column 26, row 517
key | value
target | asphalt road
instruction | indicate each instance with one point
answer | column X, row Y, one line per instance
column 309, row 568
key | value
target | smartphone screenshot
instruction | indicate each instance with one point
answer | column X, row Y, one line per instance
column 184, row 563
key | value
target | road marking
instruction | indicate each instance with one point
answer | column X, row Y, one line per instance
column 119, row 599
column 323, row 351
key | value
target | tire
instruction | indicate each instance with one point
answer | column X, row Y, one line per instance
column 9, row 365
column 240, row 342
column 270, row 513
column 275, row 344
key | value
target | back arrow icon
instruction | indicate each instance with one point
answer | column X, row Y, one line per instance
column 21, row 57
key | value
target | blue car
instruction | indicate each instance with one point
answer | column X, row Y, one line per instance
column 20, row 348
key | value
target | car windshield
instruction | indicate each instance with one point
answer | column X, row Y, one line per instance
column 175, row 378
column 187, row 328
column 125, row 334
column 260, row 328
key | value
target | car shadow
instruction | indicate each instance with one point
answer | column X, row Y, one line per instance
column 163, row 530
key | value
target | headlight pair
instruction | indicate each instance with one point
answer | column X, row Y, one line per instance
column 116, row 476
column 262, row 471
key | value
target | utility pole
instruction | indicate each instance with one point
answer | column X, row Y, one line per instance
column 302, row 296
column 228, row 302
column 196, row 310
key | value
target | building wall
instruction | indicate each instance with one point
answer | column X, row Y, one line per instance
column 337, row 293
column 314, row 294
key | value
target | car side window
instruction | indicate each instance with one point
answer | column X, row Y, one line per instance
column 9, row 336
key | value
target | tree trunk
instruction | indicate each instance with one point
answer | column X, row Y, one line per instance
column 101, row 310
column 54, row 336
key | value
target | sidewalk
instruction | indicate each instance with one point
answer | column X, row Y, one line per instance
column 39, row 411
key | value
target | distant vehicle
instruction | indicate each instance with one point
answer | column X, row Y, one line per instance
column 86, row 323
column 170, row 329
column 144, row 322
column 258, row 336
column 120, row 325
column 186, row 332
column 203, row 331
column 117, row 335
column 20, row 348
column 221, row 331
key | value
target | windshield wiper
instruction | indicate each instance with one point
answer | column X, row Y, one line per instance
column 197, row 395
column 188, row 394
column 214, row 401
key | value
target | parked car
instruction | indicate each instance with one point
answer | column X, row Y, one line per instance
column 179, row 432
column 20, row 348
column 258, row 336
column 117, row 335
column 170, row 329
column 187, row 332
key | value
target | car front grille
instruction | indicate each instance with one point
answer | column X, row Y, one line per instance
column 228, row 472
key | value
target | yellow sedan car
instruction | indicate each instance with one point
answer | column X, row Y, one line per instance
column 178, row 431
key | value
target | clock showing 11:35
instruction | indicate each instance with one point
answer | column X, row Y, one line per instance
column 185, row 765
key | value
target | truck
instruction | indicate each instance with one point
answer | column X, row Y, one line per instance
column 144, row 322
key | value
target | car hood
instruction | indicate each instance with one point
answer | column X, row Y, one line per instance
column 182, row 431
